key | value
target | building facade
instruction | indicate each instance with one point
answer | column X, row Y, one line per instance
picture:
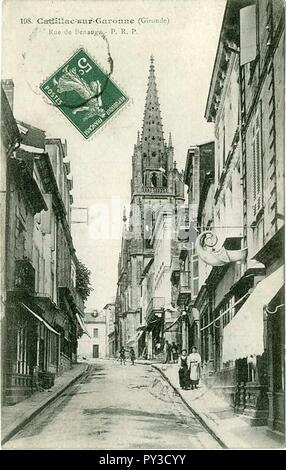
column 40, row 329
column 10, row 141
column 94, row 345
column 185, row 268
column 240, row 218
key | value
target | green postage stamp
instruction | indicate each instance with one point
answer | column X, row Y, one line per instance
column 84, row 93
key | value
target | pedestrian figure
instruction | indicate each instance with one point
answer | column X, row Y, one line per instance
column 184, row 373
column 122, row 356
column 195, row 367
column 174, row 352
column 132, row 356
column 168, row 349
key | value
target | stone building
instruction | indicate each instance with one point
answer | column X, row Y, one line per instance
column 10, row 141
column 109, row 310
column 94, row 345
column 41, row 329
column 241, row 274
column 185, row 266
column 155, row 183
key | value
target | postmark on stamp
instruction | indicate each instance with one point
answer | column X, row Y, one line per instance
column 84, row 93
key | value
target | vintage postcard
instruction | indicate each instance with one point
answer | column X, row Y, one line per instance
column 142, row 227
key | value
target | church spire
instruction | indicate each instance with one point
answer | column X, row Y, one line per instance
column 170, row 140
column 152, row 132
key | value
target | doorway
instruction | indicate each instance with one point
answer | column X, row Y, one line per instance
column 95, row 351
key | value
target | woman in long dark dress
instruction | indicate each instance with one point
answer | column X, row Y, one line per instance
column 184, row 374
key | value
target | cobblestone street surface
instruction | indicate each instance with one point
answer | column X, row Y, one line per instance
column 115, row 407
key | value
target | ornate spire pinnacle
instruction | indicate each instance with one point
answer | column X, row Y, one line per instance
column 124, row 218
column 170, row 140
column 152, row 132
column 138, row 138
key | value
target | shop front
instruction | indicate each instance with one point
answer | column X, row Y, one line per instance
column 248, row 343
column 32, row 357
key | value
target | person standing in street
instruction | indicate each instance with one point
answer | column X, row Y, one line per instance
column 168, row 349
column 174, row 352
column 132, row 356
column 183, row 370
column 122, row 356
column 194, row 360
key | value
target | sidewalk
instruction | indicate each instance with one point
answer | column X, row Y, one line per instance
column 16, row 416
column 231, row 430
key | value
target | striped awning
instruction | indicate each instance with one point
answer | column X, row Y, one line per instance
column 244, row 335
column 47, row 325
column 135, row 337
column 82, row 325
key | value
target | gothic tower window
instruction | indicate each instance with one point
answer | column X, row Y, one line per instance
column 154, row 180
column 149, row 224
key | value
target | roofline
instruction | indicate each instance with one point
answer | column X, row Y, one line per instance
column 9, row 120
column 214, row 71
column 230, row 4
column 107, row 305
column 26, row 124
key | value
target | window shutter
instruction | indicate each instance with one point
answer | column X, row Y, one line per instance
column 257, row 163
column 247, row 34
column 254, row 169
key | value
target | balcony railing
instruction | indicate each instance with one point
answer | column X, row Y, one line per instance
column 24, row 275
column 147, row 189
column 185, row 287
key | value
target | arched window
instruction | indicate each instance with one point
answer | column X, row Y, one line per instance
column 154, row 180
column 149, row 224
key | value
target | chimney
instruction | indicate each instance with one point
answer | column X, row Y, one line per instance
column 8, row 87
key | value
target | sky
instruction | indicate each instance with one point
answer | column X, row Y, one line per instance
column 183, row 42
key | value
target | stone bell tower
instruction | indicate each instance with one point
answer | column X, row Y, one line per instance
column 154, row 174
column 152, row 161
column 155, row 182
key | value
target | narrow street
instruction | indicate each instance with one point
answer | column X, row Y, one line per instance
column 115, row 407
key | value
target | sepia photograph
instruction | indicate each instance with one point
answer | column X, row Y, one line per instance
column 142, row 227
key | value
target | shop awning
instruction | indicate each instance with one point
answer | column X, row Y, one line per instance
column 168, row 327
column 244, row 335
column 40, row 319
column 82, row 325
column 135, row 337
